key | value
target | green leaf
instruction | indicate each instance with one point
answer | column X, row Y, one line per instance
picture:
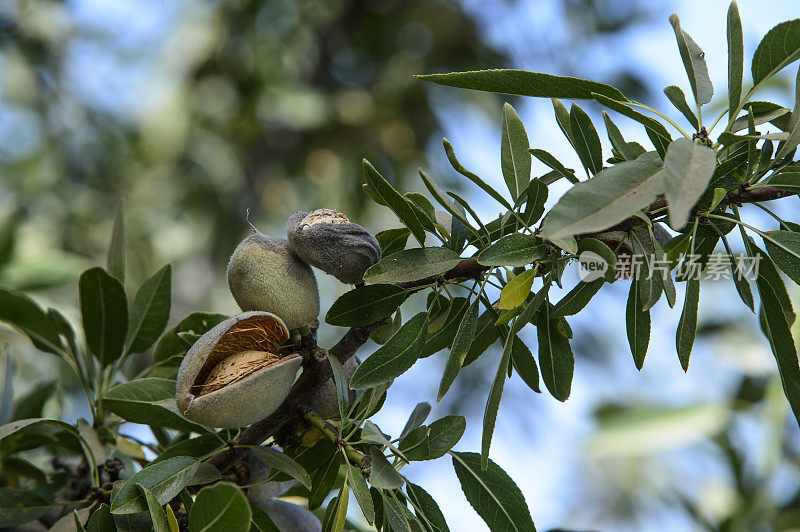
column 779, row 48
column 32, row 404
column 586, row 141
column 157, row 515
column 104, row 308
column 115, row 260
column 382, row 475
column 392, row 240
column 164, row 479
column 678, row 99
column 555, row 356
column 536, row 196
column 577, row 298
column 599, row 203
column 366, row 304
column 196, row 447
column 412, row 265
column 451, row 156
column 513, row 250
column 485, row 335
column 340, row 382
column 425, row 211
column 417, row 418
column 687, row 326
column 18, row 507
column 341, row 507
column 593, row 245
column 655, row 130
column 492, row 494
column 396, row 513
column 282, row 462
column 735, row 59
column 688, row 168
column 361, row 491
column 784, row 248
column 460, row 347
column 262, row 522
column 792, row 141
column 763, row 112
column 415, row 445
column 443, row 338
column 444, row 434
column 394, row 357
column 617, row 140
column 21, row 312
column 101, row 520
column 516, row 291
column 323, row 482
column 426, row 508
column 562, row 119
column 150, row 311
column 777, row 330
column 525, row 365
column 222, row 506
column 149, row 401
column 555, row 164
column 524, row 83
column 514, row 157
column 694, row 62
column 637, row 323
column 399, row 204
column 493, row 400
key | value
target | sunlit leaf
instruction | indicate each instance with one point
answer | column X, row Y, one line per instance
column 779, row 48
column 104, row 308
column 412, row 265
column 222, row 506
column 688, row 168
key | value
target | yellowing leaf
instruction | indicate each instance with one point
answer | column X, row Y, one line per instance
column 517, row 289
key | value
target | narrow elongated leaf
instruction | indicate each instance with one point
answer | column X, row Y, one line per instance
column 525, row 83
column 555, row 164
column 426, row 508
column 394, row 200
column 455, row 210
column 493, row 401
column 525, row 365
column 104, row 308
column 417, row 418
column 157, row 515
column 365, row 305
column 694, row 62
column 555, row 357
column 341, row 507
column 444, row 434
column 460, row 347
column 457, row 166
column 678, row 99
column 382, row 475
column 612, row 196
column 637, row 326
column 776, row 329
column 412, row 265
column 763, row 112
column 779, row 48
column 735, row 59
column 577, row 298
column 360, row 489
column 617, row 140
column 791, row 142
column 443, row 338
column 516, row 291
column 769, row 275
column 150, row 311
column 282, row 462
column 392, row 240
column 164, row 480
column 323, row 482
column 784, row 248
column 655, row 130
column 101, row 520
column 688, row 168
column 149, row 401
column 397, row 515
column 492, row 494
column 687, row 326
column 222, row 506
column 115, row 260
column 426, row 213
column 514, row 157
column 394, row 357
column 587, row 142
column 22, row 313
column 513, row 250
column 534, row 204
column 562, row 119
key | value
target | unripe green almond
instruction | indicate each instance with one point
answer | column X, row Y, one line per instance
column 328, row 240
column 223, row 383
column 265, row 274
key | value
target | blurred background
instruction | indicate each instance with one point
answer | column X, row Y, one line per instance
column 195, row 111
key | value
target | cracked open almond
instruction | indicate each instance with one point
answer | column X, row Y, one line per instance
column 235, row 374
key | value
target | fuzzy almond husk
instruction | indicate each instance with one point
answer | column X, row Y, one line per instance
column 265, row 274
column 328, row 240
column 233, row 375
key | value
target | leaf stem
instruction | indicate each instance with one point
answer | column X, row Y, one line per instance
column 659, row 113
